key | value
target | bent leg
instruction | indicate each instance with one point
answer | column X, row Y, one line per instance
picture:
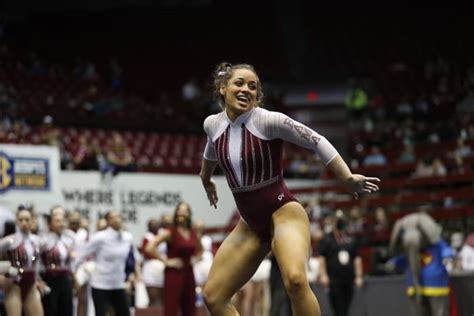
column 291, row 246
column 12, row 301
column 234, row 264
column 32, row 304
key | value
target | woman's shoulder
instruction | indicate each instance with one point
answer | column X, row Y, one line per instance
column 127, row 235
column 267, row 116
column 35, row 238
column 214, row 118
column 215, row 123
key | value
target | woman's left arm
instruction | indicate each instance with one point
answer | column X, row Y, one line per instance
column 355, row 183
column 284, row 127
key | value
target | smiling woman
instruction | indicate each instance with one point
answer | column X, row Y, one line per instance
column 246, row 141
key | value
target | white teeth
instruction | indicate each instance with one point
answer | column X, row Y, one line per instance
column 242, row 98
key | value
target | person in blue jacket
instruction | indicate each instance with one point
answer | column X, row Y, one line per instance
column 428, row 286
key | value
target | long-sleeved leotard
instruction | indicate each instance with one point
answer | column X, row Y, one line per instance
column 249, row 152
column 22, row 251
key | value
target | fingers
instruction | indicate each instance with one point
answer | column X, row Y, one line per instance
column 371, row 187
column 212, row 197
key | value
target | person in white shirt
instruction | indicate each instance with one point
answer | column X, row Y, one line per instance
column 153, row 269
column 111, row 248
column 466, row 254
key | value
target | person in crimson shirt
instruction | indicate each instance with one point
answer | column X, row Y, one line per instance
column 183, row 243
column 56, row 253
column 22, row 292
column 340, row 266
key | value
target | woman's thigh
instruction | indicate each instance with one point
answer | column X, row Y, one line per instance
column 32, row 304
column 235, row 262
column 12, row 300
column 291, row 242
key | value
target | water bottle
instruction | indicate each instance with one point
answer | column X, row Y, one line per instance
column 199, row 297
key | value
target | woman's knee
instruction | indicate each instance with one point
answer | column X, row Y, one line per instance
column 295, row 281
column 211, row 296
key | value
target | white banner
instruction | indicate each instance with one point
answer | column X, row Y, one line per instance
column 141, row 196
column 29, row 174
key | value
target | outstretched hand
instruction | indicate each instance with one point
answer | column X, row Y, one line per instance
column 358, row 183
column 210, row 187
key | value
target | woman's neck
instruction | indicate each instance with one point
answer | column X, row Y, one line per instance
column 232, row 115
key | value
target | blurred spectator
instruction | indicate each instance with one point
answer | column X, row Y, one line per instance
column 355, row 223
column 462, row 150
column 298, row 167
column 417, row 239
column 50, row 134
column 408, row 153
column 203, row 266
column 460, row 166
column 466, row 255
column 119, row 156
column 404, row 109
column 423, row 169
column 6, row 216
column 457, row 240
column 438, row 167
column 341, row 267
column 375, row 158
column 190, row 91
column 86, row 155
column 153, row 269
column 101, row 224
column 356, row 100
column 111, row 247
column 256, row 292
column 380, row 220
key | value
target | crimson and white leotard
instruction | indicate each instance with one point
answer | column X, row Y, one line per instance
column 22, row 250
column 249, row 152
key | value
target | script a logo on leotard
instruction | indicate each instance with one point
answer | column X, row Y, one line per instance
column 280, row 197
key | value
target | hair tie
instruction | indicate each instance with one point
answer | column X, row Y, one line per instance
column 221, row 73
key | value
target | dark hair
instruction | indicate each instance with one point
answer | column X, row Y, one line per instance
column 25, row 206
column 9, row 228
column 21, row 209
column 153, row 225
column 223, row 73
column 189, row 223
column 107, row 215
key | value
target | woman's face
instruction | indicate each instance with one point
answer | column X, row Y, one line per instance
column 241, row 92
column 23, row 221
column 114, row 220
column 57, row 223
column 182, row 215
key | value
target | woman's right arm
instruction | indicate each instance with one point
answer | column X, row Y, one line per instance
column 207, row 169
column 150, row 248
column 91, row 247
